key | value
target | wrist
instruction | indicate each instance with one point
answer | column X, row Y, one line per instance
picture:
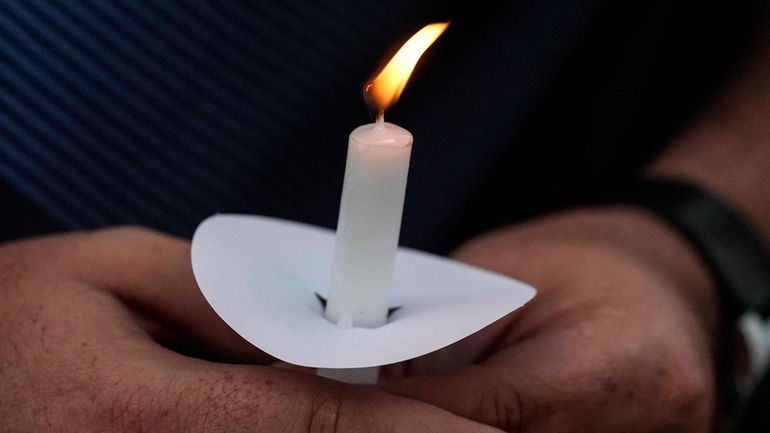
column 608, row 235
column 726, row 163
column 652, row 243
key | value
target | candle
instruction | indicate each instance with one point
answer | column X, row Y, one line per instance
column 369, row 224
column 373, row 198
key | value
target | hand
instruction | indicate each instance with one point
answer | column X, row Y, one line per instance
column 86, row 323
column 618, row 338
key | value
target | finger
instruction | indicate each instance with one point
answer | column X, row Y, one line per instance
column 79, row 352
column 161, row 390
column 519, row 387
column 492, row 396
column 152, row 274
column 234, row 399
column 534, row 386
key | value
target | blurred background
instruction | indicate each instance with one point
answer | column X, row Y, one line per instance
column 161, row 113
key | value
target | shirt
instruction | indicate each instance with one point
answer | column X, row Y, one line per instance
column 162, row 113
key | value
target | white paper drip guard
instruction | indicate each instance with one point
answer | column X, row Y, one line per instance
column 261, row 276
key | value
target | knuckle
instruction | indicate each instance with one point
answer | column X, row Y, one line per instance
column 203, row 403
column 138, row 408
column 126, row 407
column 501, row 406
column 224, row 403
column 325, row 412
column 688, row 388
column 680, row 387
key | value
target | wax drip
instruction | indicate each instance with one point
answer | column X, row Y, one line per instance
column 345, row 322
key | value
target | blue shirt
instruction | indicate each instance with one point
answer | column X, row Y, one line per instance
column 161, row 113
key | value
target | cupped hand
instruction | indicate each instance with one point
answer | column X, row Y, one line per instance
column 91, row 330
column 618, row 339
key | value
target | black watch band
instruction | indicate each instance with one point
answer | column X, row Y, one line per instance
column 737, row 260
column 735, row 256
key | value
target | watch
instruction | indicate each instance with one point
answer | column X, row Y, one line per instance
column 740, row 265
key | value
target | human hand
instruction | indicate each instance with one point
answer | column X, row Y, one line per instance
column 86, row 326
column 618, row 338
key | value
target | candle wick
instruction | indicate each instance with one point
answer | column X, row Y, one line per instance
column 380, row 122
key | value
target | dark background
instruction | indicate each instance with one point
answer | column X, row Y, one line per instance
column 162, row 113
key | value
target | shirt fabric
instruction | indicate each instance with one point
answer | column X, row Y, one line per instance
column 162, row 113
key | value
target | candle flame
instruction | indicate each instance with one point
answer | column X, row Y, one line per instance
column 384, row 90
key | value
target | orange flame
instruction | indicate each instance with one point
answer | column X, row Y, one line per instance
column 384, row 90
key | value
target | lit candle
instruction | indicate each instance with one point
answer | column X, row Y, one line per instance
column 373, row 198
column 372, row 203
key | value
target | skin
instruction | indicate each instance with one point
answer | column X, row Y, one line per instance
column 106, row 331
column 618, row 339
column 82, row 321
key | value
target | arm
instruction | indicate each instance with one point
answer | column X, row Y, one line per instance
column 623, row 333
column 727, row 149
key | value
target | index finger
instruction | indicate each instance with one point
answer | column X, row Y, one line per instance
column 151, row 273
column 215, row 397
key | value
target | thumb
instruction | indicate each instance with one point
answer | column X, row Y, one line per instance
column 474, row 392
column 151, row 273
column 507, row 390
column 214, row 397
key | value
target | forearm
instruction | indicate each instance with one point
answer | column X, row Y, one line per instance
column 726, row 149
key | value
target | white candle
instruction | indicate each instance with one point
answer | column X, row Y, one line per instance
column 369, row 224
column 373, row 197
column 372, row 203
